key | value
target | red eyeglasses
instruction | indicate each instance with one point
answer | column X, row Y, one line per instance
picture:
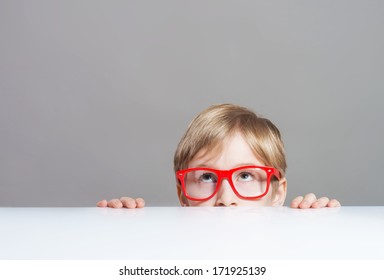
column 247, row 182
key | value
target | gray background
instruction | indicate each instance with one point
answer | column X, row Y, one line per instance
column 95, row 95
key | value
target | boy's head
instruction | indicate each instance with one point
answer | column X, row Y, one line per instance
column 227, row 136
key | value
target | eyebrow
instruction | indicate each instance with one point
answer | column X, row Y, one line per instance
column 237, row 165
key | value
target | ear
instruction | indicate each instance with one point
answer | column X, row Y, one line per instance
column 280, row 193
column 183, row 200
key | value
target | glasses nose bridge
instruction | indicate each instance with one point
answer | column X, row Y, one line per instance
column 225, row 174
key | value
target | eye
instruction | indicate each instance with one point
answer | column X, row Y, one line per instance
column 208, row 178
column 245, row 176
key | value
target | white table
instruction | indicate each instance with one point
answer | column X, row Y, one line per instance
column 349, row 233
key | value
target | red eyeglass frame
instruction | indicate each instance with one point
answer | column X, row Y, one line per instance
column 227, row 174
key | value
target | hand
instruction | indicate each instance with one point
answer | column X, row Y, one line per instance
column 310, row 201
column 126, row 202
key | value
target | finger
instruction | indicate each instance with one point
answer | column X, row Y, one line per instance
column 128, row 202
column 115, row 203
column 308, row 200
column 321, row 202
column 102, row 203
column 296, row 201
column 333, row 203
column 140, row 203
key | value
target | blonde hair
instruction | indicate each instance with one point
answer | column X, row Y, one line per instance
column 208, row 129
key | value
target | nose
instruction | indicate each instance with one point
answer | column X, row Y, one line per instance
column 225, row 196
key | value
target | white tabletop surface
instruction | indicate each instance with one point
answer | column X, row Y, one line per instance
column 192, row 233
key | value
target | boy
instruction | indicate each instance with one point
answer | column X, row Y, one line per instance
column 230, row 157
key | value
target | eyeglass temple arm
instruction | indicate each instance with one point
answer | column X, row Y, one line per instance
column 277, row 174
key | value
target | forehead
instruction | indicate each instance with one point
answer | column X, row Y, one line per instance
column 232, row 152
